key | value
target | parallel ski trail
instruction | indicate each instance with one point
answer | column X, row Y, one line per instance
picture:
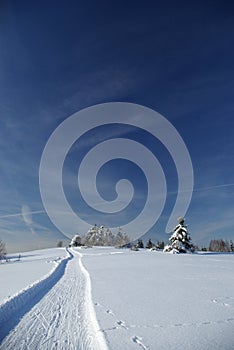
column 63, row 319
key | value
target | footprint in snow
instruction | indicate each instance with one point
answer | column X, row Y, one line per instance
column 110, row 312
column 206, row 322
column 138, row 340
column 220, row 302
column 122, row 324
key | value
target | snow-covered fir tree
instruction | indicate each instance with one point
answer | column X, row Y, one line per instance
column 94, row 236
column 180, row 239
column 102, row 236
column 108, row 237
column 121, row 238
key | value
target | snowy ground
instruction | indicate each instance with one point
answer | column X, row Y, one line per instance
column 17, row 274
column 140, row 300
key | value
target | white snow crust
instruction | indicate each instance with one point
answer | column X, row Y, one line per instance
column 55, row 312
column 32, row 266
column 154, row 300
column 106, row 298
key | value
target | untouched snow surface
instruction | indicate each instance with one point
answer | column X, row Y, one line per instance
column 140, row 300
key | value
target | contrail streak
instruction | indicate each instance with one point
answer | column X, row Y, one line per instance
column 213, row 187
column 172, row 192
column 201, row 189
column 20, row 214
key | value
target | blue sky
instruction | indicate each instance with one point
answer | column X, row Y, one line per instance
column 59, row 57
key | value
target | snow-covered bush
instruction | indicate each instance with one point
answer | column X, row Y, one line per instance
column 76, row 241
column 135, row 248
column 180, row 240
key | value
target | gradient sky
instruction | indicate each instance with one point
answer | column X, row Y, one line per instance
column 58, row 57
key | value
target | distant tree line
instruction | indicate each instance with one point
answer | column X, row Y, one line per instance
column 149, row 245
column 219, row 245
column 102, row 236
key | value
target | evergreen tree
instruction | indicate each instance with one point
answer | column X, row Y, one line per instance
column 180, row 239
column 149, row 244
column 121, row 238
column 109, row 238
column 140, row 244
column 160, row 245
column 92, row 236
column 231, row 246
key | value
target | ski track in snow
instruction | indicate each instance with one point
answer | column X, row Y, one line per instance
column 62, row 317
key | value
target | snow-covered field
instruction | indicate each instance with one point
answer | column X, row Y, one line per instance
column 105, row 298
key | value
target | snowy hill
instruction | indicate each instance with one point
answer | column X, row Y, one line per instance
column 104, row 298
